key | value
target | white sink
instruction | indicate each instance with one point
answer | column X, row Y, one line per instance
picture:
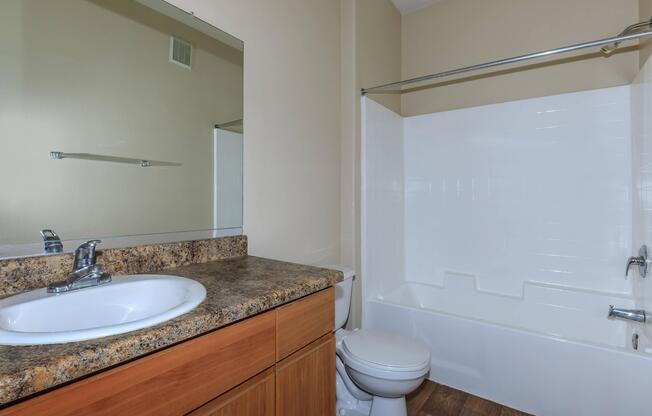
column 126, row 304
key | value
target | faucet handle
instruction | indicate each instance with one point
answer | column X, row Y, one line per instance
column 641, row 261
column 633, row 261
column 85, row 254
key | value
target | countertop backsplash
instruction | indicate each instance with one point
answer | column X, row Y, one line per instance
column 28, row 273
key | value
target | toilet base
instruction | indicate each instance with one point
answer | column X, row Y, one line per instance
column 350, row 412
column 384, row 406
column 347, row 403
column 380, row 406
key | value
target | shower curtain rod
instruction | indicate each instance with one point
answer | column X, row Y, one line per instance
column 612, row 43
column 229, row 123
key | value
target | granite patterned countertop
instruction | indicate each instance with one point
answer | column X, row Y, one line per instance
column 237, row 288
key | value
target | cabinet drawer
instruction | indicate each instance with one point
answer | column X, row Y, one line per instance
column 174, row 381
column 254, row 397
column 303, row 321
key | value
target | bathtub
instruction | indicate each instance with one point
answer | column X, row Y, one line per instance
column 551, row 351
column 498, row 236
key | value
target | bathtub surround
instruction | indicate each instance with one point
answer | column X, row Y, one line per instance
column 507, row 205
column 237, row 288
column 22, row 274
column 642, row 190
column 382, row 205
column 535, row 190
column 506, row 228
column 432, row 40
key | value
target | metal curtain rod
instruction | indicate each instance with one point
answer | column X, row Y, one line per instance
column 229, row 124
column 613, row 43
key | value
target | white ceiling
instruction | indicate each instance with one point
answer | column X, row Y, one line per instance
column 409, row 6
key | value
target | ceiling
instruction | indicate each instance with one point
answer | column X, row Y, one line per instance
column 409, row 6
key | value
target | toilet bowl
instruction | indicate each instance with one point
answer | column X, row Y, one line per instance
column 375, row 369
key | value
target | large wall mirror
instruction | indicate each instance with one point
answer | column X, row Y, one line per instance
column 119, row 119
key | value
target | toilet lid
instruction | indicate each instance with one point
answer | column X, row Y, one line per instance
column 387, row 350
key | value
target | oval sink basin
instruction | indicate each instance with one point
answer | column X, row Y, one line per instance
column 125, row 304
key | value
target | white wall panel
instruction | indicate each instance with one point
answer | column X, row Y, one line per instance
column 383, row 206
column 534, row 190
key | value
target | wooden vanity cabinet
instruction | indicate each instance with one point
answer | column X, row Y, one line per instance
column 171, row 382
column 279, row 362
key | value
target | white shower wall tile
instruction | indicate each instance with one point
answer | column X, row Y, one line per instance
column 642, row 190
column 383, row 205
column 534, row 190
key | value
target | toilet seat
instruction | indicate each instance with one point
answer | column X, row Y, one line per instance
column 384, row 355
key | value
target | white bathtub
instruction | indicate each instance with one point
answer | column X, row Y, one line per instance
column 570, row 361
column 498, row 235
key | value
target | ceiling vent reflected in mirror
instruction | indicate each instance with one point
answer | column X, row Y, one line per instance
column 180, row 52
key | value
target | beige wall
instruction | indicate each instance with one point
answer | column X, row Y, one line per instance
column 645, row 13
column 349, row 119
column 292, row 122
column 302, row 153
column 93, row 76
column 371, row 54
column 456, row 33
column 378, row 47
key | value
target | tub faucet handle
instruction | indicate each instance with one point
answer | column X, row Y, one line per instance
column 640, row 261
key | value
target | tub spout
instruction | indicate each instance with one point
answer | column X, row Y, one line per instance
column 638, row 315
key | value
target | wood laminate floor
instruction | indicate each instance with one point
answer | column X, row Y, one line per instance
column 432, row 399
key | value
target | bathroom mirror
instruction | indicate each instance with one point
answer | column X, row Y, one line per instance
column 120, row 120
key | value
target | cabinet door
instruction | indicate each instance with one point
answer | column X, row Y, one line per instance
column 254, row 397
column 305, row 381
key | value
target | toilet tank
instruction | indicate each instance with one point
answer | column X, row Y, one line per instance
column 342, row 295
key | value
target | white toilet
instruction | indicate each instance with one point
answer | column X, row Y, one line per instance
column 375, row 369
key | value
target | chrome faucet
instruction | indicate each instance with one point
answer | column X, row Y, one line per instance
column 51, row 242
column 85, row 272
column 638, row 315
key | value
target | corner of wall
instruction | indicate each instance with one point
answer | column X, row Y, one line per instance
column 370, row 55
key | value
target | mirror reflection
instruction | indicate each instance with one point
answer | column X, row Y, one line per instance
column 117, row 118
